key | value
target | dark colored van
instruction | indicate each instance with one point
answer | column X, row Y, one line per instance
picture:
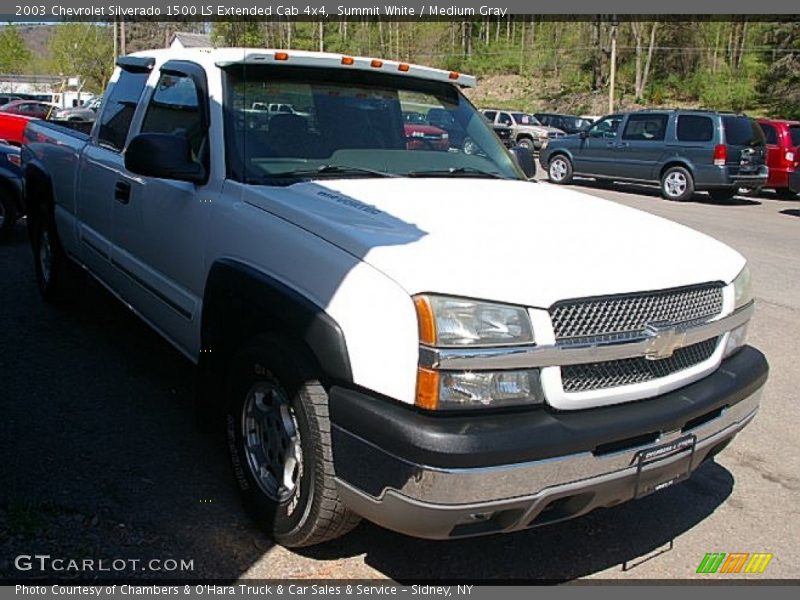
column 681, row 150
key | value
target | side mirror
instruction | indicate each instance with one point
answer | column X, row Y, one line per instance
column 163, row 155
column 584, row 133
column 524, row 159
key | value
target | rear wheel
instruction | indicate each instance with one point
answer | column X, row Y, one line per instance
column 279, row 436
column 8, row 214
column 677, row 184
column 49, row 260
column 722, row 195
column 560, row 169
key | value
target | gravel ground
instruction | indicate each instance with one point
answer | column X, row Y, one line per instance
column 101, row 457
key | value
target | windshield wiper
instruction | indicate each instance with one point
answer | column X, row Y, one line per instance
column 455, row 172
column 329, row 169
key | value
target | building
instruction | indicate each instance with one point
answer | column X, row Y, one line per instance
column 184, row 39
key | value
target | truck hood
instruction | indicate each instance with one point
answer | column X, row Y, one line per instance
column 509, row 241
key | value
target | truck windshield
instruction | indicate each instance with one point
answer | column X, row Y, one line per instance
column 342, row 123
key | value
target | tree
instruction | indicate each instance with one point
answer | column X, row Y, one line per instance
column 14, row 54
column 246, row 33
column 779, row 84
column 83, row 50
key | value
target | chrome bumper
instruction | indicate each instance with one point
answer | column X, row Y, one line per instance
column 438, row 503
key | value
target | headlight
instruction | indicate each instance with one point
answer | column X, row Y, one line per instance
column 457, row 322
column 451, row 322
column 743, row 295
column 742, row 288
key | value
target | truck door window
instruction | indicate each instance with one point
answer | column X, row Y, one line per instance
column 174, row 108
column 695, row 128
column 505, row 119
column 122, row 98
column 645, row 128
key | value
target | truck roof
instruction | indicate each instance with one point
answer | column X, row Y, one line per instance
column 223, row 57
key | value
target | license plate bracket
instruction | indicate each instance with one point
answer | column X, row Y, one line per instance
column 664, row 465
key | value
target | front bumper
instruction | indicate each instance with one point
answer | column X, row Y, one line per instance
column 455, row 476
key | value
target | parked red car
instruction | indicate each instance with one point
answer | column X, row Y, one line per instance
column 29, row 108
column 783, row 139
column 12, row 127
column 421, row 135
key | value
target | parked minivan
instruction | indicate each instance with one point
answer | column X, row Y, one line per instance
column 682, row 150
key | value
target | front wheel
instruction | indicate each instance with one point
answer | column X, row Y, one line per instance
column 677, row 184
column 560, row 169
column 279, row 437
column 526, row 143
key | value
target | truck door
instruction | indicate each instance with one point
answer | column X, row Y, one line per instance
column 100, row 166
column 596, row 152
column 160, row 230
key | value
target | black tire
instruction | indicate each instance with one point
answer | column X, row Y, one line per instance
column 603, row 182
column 289, row 436
column 559, row 169
column 8, row 214
column 677, row 184
column 49, row 259
column 722, row 195
column 527, row 143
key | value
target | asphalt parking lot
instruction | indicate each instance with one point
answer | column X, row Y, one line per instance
column 100, row 456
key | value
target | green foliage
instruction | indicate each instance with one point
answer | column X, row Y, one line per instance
column 83, row 50
column 779, row 83
column 14, row 54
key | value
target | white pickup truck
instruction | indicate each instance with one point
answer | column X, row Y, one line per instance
column 418, row 336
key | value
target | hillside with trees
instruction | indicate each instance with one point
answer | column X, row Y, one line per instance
column 530, row 62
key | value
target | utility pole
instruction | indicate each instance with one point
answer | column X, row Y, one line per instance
column 114, row 24
column 122, row 37
column 613, row 75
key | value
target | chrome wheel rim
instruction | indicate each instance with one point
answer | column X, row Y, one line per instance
column 272, row 441
column 675, row 184
column 558, row 169
column 46, row 256
column 470, row 147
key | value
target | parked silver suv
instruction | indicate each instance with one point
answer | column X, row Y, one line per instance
column 526, row 129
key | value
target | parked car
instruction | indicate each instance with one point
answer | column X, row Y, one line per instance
column 87, row 112
column 456, row 133
column 11, row 204
column 422, row 136
column 682, row 150
column 566, row 123
column 526, row 130
column 405, row 336
column 29, row 108
column 12, row 127
column 783, row 153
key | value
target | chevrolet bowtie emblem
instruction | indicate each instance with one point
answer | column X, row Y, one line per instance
column 662, row 341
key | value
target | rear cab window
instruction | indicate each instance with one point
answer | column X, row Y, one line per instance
column 695, row 128
column 122, row 97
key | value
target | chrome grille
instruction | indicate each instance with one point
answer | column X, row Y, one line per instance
column 615, row 373
column 631, row 313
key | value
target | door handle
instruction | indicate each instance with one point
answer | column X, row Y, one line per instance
column 122, row 192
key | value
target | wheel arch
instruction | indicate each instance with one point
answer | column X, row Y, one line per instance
column 241, row 302
column 676, row 162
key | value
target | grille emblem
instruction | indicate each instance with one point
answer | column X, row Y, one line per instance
column 663, row 340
